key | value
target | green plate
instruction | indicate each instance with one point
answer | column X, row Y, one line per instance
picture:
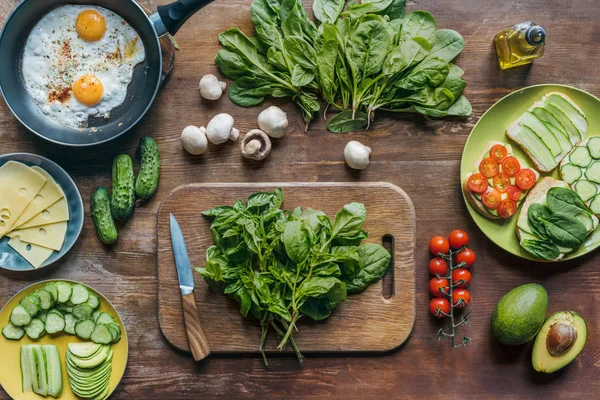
column 492, row 127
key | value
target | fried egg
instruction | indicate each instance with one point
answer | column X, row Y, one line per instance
column 78, row 62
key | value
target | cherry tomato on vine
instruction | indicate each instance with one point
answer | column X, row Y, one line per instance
column 438, row 266
column 461, row 277
column 439, row 286
column 438, row 245
column 439, row 307
column 461, row 298
column 458, row 238
column 467, row 256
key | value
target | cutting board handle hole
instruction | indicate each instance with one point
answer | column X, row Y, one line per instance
column 387, row 283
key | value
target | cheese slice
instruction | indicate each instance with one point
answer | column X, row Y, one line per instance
column 57, row 212
column 35, row 255
column 18, row 186
column 50, row 194
column 51, row 236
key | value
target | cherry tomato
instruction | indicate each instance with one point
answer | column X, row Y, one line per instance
column 498, row 152
column 502, row 182
column 458, row 238
column 467, row 256
column 525, row 179
column 461, row 298
column 478, row 183
column 461, row 277
column 439, row 286
column 507, row 208
column 491, row 199
column 514, row 193
column 511, row 166
column 438, row 245
column 438, row 266
column 439, row 307
column 489, row 167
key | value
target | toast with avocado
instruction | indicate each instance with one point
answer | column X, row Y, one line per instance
column 549, row 130
column 553, row 221
column 497, row 182
column 581, row 170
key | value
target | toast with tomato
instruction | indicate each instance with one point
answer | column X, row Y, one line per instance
column 497, row 182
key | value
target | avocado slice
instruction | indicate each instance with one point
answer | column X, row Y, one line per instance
column 84, row 350
column 573, row 132
column 532, row 122
column 560, row 340
column 92, row 362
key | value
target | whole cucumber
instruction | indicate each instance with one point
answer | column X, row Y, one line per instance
column 147, row 179
column 102, row 217
column 122, row 202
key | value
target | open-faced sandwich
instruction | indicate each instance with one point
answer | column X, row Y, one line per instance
column 553, row 220
column 549, row 130
column 581, row 170
column 498, row 183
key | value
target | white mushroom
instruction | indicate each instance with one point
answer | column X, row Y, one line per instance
column 220, row 129
column 211, row 88
column 194, row 140
column 273, row 121
column 256, row 145
column 357, row 155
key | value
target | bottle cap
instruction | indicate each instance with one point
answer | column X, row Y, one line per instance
column 535, row 35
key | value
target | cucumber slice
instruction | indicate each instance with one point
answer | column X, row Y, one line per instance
column 93, row 301
column 53, row 370
column 95, row 315
column 576, row 117
column 83, row 350
column 19, row 316
column 581, row 157
column 30, row 305
column 101, row 334
column 532, row 122
column 84, row 328
column 595, row 205
column 105, row 318
column 55, row 323
column 35, row 329
column 82, row 311
column 562, row 138
column 41, row 386
column 65, row 308
column 12, row 332
column 51, row 287
column 547, row 117
column 594, row 146
column 593, row 172
column 42, row 315
column 570, row 173
column 64, row 291
column 27, row 369
column 565, row 122
column 46, row 299
column 115, row 330
column 70, row 321
column 586, row 220
column 534, row 145
column 56, row 311
column 79, row 294
column 585, row 189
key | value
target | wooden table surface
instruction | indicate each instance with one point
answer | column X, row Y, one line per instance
column 422, row 157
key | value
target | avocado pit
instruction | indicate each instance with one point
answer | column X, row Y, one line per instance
column 560, row 339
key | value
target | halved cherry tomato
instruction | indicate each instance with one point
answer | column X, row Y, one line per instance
column 525, row 179
column 491, row 199
column 502, row 182
column 478, row 183
column 461, row 298
column 438, row 245
column 461, row 277
column 458, row 238
column 514, row 193
column 438, row 287
column 438, row 266
column 498, row 152
column 439, row 307
column 507, row 208
column 466, row 256
column 511, row 166
column 489, row 167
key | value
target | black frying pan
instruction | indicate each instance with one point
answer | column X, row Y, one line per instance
column 141, row 91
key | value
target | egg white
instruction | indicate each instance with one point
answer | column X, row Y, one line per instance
column 55, row 57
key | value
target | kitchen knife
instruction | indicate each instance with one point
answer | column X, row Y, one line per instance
column 196, row 338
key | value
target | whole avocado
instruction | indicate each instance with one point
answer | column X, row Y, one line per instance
column 520, row 314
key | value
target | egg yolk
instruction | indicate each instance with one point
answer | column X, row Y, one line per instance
column 88, row 90
column 90, row 25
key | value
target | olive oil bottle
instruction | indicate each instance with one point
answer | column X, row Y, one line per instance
column 520, row 44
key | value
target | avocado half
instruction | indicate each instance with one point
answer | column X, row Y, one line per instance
column 560, row 340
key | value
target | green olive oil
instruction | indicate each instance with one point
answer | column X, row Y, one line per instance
column 520, row 44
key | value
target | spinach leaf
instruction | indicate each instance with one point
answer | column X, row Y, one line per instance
column 419, row 24
column 565, row 201
column 395, row 11
column 541, row 249
column 431, row 72
column 408, row 53
column 565, row 231
column 318, row 308
column 448, row 45
column 301, row 52
column 349, row 220
column 347, row 121
column 368, row 7
column 536, row 215
column 327, row 58
column 374, row 262
column 328, row 11
column 296, row 242
column 329, row 287
column 368, row 48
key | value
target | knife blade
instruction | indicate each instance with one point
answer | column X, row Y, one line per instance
column 197, row 339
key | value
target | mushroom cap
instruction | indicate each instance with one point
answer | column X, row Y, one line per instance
column 273, row 121
column 219, row 128
column 194, row 140
column 357, row 155
column 248, row 145
column 211, row 88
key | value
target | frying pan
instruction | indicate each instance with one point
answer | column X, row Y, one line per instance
column 140, row 93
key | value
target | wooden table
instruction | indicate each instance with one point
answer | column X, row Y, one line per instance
column 422, row 157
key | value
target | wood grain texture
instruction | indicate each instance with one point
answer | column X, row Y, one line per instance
column 195, row 335
column 422, row 157
column 364, row 322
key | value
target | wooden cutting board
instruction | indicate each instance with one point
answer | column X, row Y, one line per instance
column 367, row 322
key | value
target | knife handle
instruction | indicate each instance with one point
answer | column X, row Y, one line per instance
column 196, row 338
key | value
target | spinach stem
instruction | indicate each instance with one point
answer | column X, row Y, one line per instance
column 290, row 329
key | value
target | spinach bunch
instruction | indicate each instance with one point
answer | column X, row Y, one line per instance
column 369, row 57
column 282, row 265
column 557, row 225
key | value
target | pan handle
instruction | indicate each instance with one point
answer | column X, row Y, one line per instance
column 171, row 17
